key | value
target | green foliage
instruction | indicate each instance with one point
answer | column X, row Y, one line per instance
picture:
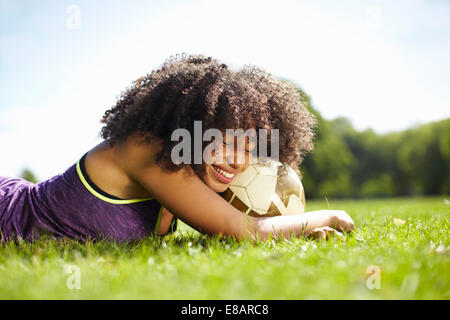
column 349, row 163
column 382, row 186
column 423, row 157
column 28, row 175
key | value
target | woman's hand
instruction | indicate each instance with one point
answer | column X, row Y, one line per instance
column 324, row 233
column 312, row 223
column 341, row 221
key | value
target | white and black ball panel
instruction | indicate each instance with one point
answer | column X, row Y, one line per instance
column 245, row 177
column 268, row 188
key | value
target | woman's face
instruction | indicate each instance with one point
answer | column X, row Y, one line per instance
column 220, row 173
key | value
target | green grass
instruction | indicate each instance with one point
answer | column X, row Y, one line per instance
column 413, row 259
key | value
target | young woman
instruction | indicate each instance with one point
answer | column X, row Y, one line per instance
column 129, row 187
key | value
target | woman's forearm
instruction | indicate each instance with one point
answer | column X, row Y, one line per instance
column 289, row 225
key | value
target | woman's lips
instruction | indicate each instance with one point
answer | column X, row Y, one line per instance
column 222, row 175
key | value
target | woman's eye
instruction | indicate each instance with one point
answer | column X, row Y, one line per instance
column 230, row 143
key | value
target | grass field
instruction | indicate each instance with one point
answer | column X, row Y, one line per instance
column 412, row 259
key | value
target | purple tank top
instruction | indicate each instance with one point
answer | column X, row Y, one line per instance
column 68, row 205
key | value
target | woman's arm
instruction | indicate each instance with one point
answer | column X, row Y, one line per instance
column 184, row 195
column 187, row 197
column 307, row 223
column 193, row 202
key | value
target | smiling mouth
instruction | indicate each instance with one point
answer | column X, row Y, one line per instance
column 222, row 175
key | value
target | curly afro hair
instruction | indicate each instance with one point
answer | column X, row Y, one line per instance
column 197, row 88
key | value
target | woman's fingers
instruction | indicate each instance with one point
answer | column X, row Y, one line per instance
column 318, row 234
column 325, row 233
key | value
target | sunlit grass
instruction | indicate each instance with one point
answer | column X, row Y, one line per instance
column 407, row 239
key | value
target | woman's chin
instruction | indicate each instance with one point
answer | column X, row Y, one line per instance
column 216, row 185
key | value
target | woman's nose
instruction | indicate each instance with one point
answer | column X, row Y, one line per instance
column 234, row 159
column 238, row 160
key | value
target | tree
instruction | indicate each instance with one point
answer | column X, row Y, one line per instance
column 350, row 163
column 28, row 175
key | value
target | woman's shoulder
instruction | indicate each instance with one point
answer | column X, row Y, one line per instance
column 112, row 166
column 139, row 149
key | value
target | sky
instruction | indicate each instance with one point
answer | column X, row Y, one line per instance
column 384, row 65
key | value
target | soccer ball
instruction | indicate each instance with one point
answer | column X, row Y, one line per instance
column 267, row 188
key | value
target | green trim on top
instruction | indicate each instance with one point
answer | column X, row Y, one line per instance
column 158, row 222
column 102, row 197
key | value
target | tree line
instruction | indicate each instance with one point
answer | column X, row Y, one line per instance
column 346, row 163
